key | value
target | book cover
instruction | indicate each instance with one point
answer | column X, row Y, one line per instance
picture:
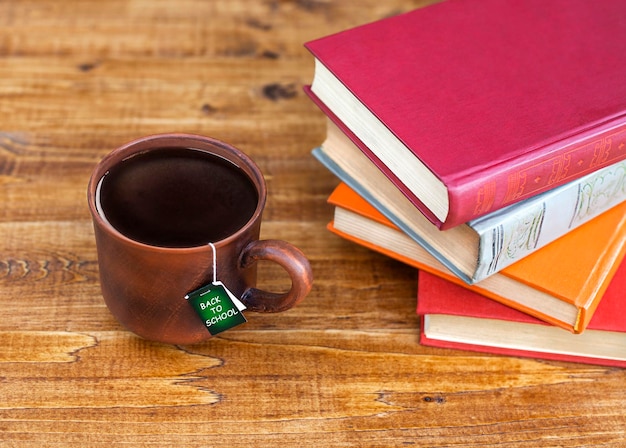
column 485, row 245
column 455, row 317
column 475, row 106
column 562, row 283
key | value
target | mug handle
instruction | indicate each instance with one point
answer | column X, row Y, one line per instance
column 292, row 260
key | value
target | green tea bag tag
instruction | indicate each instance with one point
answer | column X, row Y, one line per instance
column 218, row 308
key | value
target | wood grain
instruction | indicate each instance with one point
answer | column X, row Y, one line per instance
column 344, row 368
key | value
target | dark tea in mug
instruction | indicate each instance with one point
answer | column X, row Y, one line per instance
column 176, row 197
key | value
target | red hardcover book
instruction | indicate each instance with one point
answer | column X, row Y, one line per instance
column 475, row 105
column 455, row 317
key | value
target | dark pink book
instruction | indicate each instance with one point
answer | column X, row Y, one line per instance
column 474, row 105
column 457, row 318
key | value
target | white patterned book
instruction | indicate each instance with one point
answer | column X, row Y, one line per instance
column 484, row 246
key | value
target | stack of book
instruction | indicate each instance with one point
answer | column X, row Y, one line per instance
column 484, row 142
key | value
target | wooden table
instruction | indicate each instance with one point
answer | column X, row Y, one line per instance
column 344, row 368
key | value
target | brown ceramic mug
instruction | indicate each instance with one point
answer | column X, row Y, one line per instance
column 156, row 214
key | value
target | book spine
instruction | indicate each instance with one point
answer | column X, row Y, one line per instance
column 479, row 193
column 517, row 231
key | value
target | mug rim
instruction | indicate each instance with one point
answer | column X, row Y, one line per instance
column 178, row 140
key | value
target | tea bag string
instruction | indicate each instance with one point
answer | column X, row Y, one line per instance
column 214, row 262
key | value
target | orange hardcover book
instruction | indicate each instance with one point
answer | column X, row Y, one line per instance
column 561, row 284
